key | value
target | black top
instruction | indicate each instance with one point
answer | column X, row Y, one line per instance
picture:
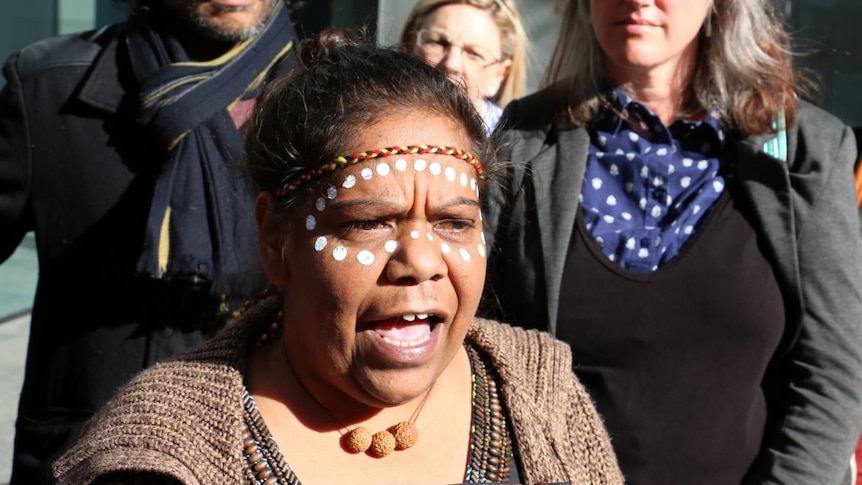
column 675, row 358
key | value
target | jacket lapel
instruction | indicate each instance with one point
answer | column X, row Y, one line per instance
column 558, row 176
column 765, row 180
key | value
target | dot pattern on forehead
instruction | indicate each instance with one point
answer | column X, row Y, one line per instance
column 383, row 169
column 321, row 204
column 310, row 223
column 450, row 174
column 331, row 192
column 366, row 173
column 401, row 165
column 435, row 168
column 349, row 182
column 345, row 160
column 419, row 165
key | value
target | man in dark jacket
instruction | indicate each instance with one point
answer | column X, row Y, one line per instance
column 120, row 149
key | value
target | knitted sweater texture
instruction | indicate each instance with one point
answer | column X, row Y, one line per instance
column 183, row 418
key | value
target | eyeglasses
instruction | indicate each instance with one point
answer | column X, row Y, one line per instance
column 435, row 45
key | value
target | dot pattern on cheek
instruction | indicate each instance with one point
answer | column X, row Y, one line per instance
column 383, row 169
column 401, row 165
column 331, row 192
column 365, row 257
column 482, row 235
column 310, row 222
column 435, row 168
column 419, row 165
column 481, row 249
column 339, row 253
column 366, row 173
column 390, row 246
column 321, row 204
column 429, row 236
column 445, row 248
column 414, row 234
column 464, row 254
column 320, row 244
column 349, row 182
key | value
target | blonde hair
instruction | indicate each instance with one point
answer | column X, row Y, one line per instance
column 744, row 67
column 513, row 41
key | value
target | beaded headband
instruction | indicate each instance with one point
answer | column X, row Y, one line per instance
column 345, row 160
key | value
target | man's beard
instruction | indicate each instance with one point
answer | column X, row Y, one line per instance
column 219, row 33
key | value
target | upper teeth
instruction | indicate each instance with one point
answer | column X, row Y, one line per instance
column 411, row 316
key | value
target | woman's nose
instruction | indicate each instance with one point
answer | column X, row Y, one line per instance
column 417, row 258
column 453, row 60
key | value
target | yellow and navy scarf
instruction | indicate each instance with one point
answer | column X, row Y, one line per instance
column 201, row 225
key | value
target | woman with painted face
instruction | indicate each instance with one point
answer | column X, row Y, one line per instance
column 366, row 364
column 480, row 44
column 681, row 218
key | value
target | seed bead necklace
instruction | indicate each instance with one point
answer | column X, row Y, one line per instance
column 382, row 443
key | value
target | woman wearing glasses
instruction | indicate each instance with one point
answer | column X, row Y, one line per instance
column 480, row 44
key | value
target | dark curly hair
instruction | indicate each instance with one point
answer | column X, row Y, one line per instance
column 342, row 84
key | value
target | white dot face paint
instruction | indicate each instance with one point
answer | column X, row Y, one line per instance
column 390, row 246
column 445, row 248
column 349, row 182
column 310, row 222
column 435, row 168
column 483, row 238
column 365, row 257
column 331, row 192
column 383, row 169
column 320, row 204
column 465, row 255
column 401, row 165
column 366, row 173
column 450, row 174
column 481, row 249
column 414, row 234
column 429, row 236
column 320, row 244
column 463, row 180
column 473, row 184
column 419, row 165
column 339, row 253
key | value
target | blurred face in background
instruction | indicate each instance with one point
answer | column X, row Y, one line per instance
column 222, row 21
column 464, row 42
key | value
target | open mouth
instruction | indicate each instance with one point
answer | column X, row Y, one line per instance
column 408, row 330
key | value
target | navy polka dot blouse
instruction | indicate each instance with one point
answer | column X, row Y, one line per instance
column 648, row 186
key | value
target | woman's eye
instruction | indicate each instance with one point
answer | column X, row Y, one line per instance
column 369, row 225
column 455, row 228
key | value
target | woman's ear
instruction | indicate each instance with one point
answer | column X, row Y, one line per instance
column 498, row 77
column 271, row 239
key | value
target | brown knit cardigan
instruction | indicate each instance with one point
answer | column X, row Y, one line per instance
column 183, row 418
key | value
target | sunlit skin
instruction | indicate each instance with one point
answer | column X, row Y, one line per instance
column 650, row 44
column 208, row 28
column 337, row 311
column 468, row 25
